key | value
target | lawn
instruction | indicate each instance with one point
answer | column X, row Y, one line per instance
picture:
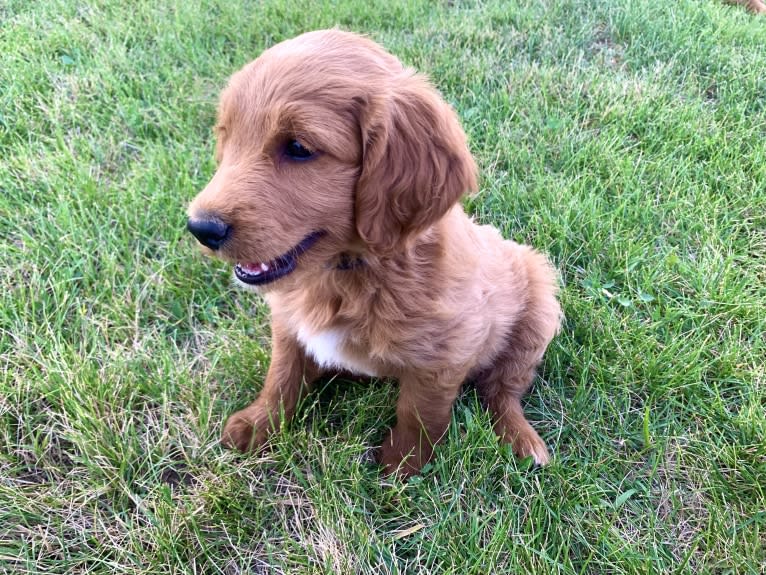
column 625, row 139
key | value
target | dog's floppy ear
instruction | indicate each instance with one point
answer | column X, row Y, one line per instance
column 415, row 166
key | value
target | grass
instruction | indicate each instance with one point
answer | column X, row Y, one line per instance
column 625, row 139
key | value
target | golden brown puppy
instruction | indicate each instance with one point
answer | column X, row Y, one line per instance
column 337, row 197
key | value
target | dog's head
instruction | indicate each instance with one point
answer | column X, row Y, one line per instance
column 327, row 144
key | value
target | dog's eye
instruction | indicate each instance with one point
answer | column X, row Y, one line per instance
column 297, row 151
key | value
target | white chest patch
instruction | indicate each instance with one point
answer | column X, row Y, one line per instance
column 326, row 347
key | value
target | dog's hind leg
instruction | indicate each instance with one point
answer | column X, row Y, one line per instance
column 504, row 383
column 502, row 391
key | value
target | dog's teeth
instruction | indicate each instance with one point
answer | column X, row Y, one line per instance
column 264, row 267
column 249, row 270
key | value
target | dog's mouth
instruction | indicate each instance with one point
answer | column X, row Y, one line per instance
column 260, row 273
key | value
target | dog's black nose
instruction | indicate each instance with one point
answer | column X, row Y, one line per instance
column 210, row 232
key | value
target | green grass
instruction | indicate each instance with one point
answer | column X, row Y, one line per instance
column 625, row 139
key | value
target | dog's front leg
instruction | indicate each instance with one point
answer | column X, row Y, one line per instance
column 423, row 414
column 290, row 374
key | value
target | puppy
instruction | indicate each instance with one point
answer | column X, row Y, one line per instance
column 337, row 197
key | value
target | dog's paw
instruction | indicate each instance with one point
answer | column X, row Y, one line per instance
column 394, row 463
column 401, row 457
column 530, row 444
column 246, row 430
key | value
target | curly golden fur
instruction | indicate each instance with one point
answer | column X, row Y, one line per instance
column 337, row 197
